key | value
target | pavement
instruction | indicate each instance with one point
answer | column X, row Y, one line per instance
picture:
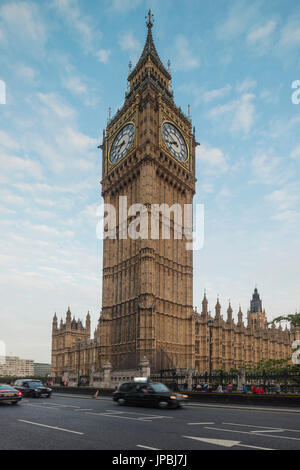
column 68, row 422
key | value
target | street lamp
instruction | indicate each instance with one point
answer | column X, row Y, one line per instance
column 78, row 368
column 210, row 324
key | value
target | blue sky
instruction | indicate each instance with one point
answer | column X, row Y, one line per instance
column 64, row 62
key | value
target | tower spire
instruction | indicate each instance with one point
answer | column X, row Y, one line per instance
column 149, row 19
column 149, row 50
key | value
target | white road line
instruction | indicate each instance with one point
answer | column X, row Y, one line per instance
column 138, row 413
column 84, row 409
column 191, row 424
column 254, row 447
column 263, row 427
column 40, row 406
column 268, row 430
column 255, row 433
column 147, row 447
column 58, row 405
column 51, row 427
column 120, row 417
column 223, row 442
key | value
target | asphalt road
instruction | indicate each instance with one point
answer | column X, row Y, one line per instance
column 69, row 423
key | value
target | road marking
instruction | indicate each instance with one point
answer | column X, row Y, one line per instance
column 84, row 409
column 147, row 447
column 138, row 413
column 58, row 405
column 120, row 417
column 263, row 427
column 40, row 406
column 190, row 424
column 224, row 443
column 51, row 427
column 219, row 442
column 255, row 433
column 268, row 430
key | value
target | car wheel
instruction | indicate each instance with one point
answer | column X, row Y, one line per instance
column 121, row 401
column 163, row 404
column 15, row 402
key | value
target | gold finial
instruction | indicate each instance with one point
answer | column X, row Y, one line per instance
column 149, row 19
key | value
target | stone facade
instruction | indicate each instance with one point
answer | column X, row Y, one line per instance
column 147, row 303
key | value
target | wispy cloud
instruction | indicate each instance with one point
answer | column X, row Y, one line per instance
column 241, row 113
column 216, row 94
column 262, row 38
column 185, row 59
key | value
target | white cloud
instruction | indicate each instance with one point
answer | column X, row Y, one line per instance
column 216, row 94
column 55, row 104
column 284, row 198
column 81, row 24
column 241, row 112
column 244, row 114
column 8, row 141
column 25, row 72
column 10, row 164
column 185, row 59
column 22, row 24
column 75, row 85
column 124, row 5
column 241, row 15
column 128, row 42
column 246, row 85
column 286, row 216
column 261, row 34
column 213, row 159
column 295, row 154
column 268, row 169
column 103, row 55
column 290, row 34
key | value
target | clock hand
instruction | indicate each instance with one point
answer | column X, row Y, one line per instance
column 117, row 146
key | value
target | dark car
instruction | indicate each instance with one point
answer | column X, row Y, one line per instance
column 148, row 394
column 32, row 388
column 10, row 394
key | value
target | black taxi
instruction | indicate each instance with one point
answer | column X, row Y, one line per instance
column 143, row 392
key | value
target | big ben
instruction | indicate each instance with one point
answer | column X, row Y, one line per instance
column 148, row 159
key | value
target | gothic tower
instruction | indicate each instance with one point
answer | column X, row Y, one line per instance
column 148, row 158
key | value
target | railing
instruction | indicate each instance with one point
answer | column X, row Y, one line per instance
column 276, row 382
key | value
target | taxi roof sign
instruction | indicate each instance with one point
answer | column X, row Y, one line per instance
column 140, row 379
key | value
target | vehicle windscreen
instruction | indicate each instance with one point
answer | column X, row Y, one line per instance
column 35, row 384
column 6, row 387
column 160, row 388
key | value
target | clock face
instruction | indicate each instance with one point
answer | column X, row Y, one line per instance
column 175, row 142
column 122, row 143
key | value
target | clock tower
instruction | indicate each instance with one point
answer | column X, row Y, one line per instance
column 148, row 161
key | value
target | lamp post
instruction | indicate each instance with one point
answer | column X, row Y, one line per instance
column 209, row 324
column 78, row 368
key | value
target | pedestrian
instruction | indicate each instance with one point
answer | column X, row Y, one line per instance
column 254, row 389
column 245, row 388
column 185, row 387
column 220, row 389
column 262, row 389
column 205, row 387
column 277, row 388
column 229, row 387
column 198, row 388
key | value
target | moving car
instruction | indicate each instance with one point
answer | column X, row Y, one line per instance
column 32, row 388
column 142, row 392
column 10, row 394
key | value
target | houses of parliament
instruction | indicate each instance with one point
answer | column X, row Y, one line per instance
column 148, row 157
